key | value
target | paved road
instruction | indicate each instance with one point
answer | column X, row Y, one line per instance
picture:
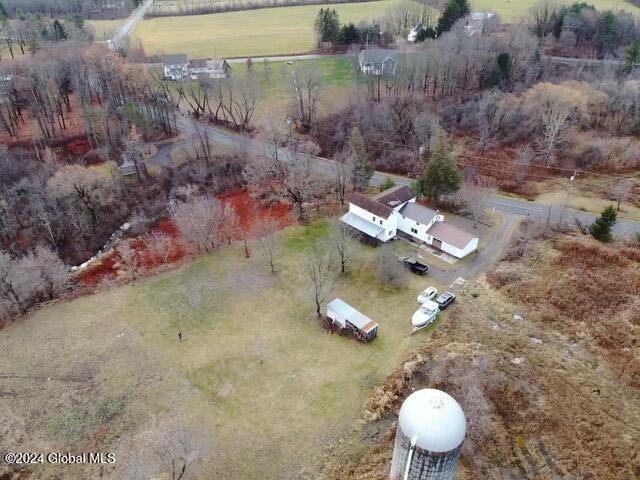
column 129, row 25
column 510, row 205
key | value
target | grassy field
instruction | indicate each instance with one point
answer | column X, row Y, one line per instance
column 514, row 10
column 254, row 367
column 105, row 28
column 337, row 78
column 252, row 32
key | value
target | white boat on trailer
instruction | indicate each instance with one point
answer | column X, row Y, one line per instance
column 425, row 315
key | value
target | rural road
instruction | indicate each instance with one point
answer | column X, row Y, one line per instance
column 129, row 25
column 501, row 203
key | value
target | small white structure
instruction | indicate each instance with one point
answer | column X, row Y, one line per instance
column 431, row 429
column 377, row 61
column 175, row 67
column 413, row 33
column 346, row 316
column 481, row 23
column 395, row 210
column 208, row 68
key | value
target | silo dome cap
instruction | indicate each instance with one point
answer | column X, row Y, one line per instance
column 435, row 418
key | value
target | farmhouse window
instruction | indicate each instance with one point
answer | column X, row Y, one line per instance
column 414, row 230
column 380, row 222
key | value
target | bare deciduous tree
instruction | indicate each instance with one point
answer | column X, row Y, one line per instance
column 342, row 173
column 477, row 192
column 285, row 174
column 263, row 232
column 128, row 257
column 554, row 120
column 343, row 242
column 159, row 247
column 390, row 272
column 199, row 221
column 171, row 449
column 306, row 88
column 320, row 272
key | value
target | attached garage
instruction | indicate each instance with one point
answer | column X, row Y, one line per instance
column 452, row 240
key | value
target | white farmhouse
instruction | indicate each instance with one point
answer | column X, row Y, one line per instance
column 175, row 67
column 395, row 211
column 208, row 68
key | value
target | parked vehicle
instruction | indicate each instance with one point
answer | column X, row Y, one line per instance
column 445, row 299
column 425, row 315
column 427, row 294
column 414, row 265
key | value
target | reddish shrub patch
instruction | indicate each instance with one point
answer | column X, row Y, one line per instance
column 101, row 270
column 246, row 207
column 167, row 227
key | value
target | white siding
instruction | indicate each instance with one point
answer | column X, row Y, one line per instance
column 406, row 225
column 336, row 317
column 472, row 246
column 389, row 224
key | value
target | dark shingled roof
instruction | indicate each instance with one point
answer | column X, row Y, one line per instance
column 395, row 196
column 379, row 209
column 450, row 234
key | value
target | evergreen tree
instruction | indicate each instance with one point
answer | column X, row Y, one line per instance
column 601, row 228
column 633, row 56
column 453, row 11
column 348, row 34
column 59, row 32
column 327, row 25
column 3, row 11
column 441, row 175
column 362, row 170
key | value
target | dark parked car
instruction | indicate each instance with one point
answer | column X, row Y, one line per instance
column 414, row 265
column 445, row 299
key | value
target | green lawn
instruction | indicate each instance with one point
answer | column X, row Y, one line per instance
column 254, row 367
column 337, row 79
column 284, row 30
column 514, row 10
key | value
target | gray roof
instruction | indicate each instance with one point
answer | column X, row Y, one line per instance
column 352, row 315
column 418, row 213
column 376, row 55
column 207, row 63
column 175, row 59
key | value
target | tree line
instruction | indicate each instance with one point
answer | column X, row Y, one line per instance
column 63, row 8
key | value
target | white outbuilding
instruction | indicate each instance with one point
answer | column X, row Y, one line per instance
column 347, row 317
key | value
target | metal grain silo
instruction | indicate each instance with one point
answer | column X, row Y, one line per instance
column 431, row 428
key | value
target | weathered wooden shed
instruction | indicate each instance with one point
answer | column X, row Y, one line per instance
column 346, row 316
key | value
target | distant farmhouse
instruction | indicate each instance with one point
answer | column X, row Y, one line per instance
column 207, row 68
column 395, row 211
column 481, row 23
column 377, row 61
column 177, row 67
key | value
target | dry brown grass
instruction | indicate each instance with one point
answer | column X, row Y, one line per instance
column 567, row 407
